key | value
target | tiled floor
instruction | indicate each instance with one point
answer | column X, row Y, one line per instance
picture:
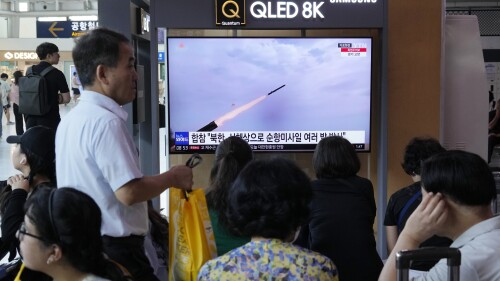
column 6, row 169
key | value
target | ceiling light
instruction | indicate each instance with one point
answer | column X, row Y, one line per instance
column 83, row 18
column 52, row 19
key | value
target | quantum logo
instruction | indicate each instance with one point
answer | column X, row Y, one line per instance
column 233, row 9
column 230, row 12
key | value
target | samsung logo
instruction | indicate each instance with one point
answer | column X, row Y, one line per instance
column 353, row 1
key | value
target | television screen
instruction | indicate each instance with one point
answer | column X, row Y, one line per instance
column 279, row 94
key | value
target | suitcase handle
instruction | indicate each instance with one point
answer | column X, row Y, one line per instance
column 453, row 256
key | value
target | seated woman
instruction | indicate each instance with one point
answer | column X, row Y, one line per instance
column 268, row 202
column 231, row 156
column 342, row 212
column 33, row 154
column 61, row 237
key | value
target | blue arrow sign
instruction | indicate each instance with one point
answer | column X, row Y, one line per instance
column 63, row 29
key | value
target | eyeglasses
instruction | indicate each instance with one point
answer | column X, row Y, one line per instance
column 22, row 230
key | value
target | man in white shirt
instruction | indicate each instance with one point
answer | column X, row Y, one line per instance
column 457, row 189
column 96, row 154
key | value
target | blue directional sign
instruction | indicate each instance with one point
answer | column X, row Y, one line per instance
column 63, row 29
column 161, row 56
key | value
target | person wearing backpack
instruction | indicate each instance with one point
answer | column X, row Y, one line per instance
column 56, row 87
column 404, row 201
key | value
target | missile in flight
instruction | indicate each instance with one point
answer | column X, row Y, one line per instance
column 235, row 112
column 276, row 89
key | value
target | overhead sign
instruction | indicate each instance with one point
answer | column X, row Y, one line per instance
column 271, row 14
column 15, row 55
column 143, row 21
column 63, row 29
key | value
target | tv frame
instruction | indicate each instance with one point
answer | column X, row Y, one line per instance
column 305, row 148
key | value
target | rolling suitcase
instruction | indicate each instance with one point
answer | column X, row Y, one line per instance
column 403, row 259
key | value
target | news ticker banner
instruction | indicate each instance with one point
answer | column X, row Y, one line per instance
column 267, row 137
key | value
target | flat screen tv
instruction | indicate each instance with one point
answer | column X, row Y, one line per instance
column 279, row 94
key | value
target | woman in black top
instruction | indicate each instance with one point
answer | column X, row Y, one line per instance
column 33, row 155
column 342, row 212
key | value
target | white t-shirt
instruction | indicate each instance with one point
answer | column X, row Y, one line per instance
column 480, row 249
column 96, row 154
column 4, row 92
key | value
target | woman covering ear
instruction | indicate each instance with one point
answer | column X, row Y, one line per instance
column 33, row 154
column 61, row 237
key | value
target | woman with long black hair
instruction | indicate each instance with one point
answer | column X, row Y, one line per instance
column 61, row 237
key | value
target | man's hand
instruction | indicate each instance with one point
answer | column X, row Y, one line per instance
column 181, row 177
column 148, row 187
column 427, row 219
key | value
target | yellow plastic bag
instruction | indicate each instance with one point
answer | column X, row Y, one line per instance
column 192, row 241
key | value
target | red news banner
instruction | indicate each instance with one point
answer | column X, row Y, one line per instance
column 353, row 52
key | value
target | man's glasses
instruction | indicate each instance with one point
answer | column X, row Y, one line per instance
column 22, row 231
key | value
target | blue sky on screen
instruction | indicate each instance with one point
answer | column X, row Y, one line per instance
column 209, row 77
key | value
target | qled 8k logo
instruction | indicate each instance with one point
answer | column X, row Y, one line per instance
column 286, row 10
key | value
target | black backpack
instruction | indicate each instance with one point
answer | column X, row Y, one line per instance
column 33, row 93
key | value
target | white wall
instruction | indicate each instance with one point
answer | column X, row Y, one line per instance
column 464, row 102
column 27, row 27
column 30, row 44
column 4, row 27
